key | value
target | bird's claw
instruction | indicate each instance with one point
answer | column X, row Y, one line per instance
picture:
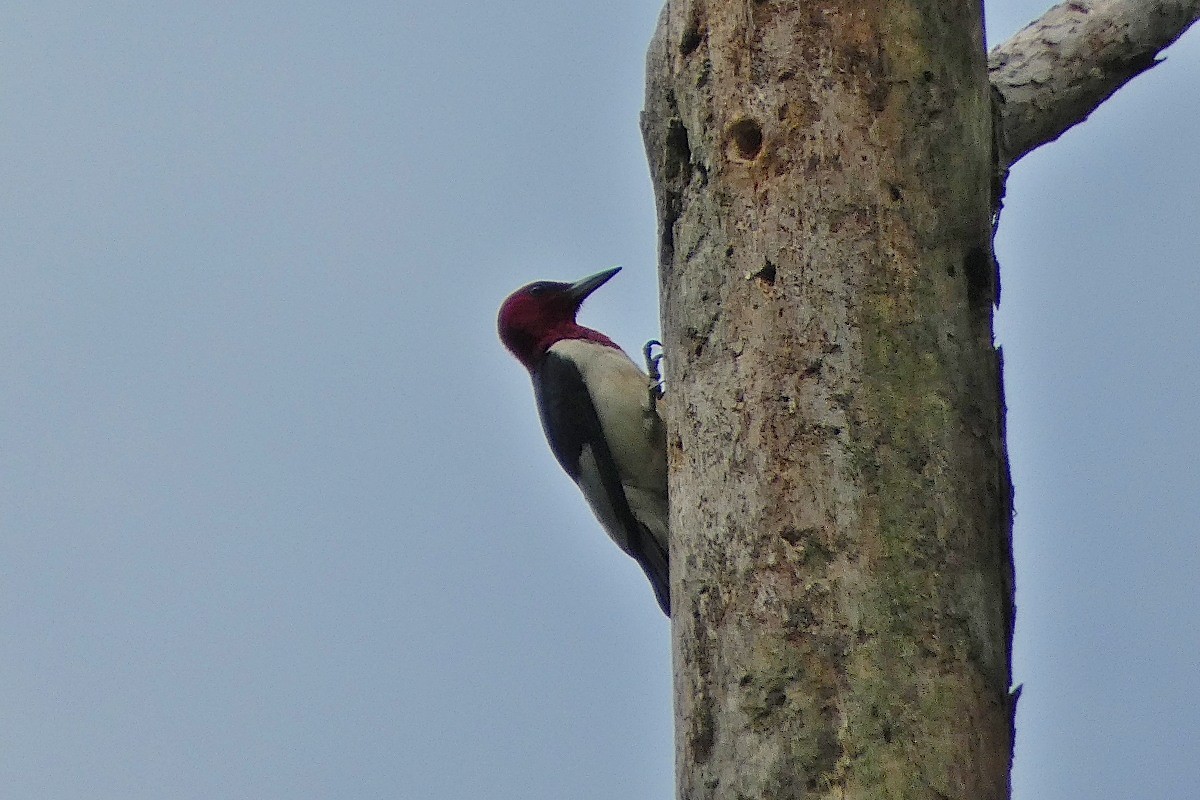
column 652, row 362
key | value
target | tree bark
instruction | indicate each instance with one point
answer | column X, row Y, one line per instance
column 840, row 503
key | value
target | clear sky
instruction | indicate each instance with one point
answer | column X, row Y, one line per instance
column 276, row 515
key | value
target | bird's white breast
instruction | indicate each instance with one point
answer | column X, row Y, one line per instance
column 620, row 392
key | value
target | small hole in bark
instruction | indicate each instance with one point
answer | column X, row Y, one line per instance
column 747, row 138
column 767, row 273
column 691, row 40
column 677, row 143
column 978, row 269
column 895, row 190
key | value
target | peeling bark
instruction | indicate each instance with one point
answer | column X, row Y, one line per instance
column 1051, row 75
column 841, row 563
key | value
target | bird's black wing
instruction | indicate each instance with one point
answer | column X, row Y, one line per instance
column 571, row 423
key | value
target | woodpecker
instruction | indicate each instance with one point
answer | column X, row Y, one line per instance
column 598, row 411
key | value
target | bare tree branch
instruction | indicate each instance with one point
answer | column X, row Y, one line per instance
column 1052, row 74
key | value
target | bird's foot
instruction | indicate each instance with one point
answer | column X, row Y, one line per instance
column 652, row 362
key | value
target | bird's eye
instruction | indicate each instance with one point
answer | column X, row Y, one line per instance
column 538, row 288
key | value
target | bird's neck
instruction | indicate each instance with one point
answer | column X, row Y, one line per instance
column 573, row 330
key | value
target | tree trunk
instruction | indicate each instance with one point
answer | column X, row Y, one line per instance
column 840, row 503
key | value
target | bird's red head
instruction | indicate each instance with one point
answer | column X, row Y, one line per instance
column 536, row 316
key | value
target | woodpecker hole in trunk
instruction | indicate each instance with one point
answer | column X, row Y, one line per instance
column 747, row 139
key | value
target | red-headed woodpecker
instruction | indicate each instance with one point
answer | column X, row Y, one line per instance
column 598, row 411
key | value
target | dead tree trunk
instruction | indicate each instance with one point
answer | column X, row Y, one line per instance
column 826, row 178
column 840, row 502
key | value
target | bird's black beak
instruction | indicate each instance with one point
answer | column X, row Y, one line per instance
column 581, row 288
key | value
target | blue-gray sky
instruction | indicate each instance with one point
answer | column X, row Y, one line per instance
column 276, row 513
